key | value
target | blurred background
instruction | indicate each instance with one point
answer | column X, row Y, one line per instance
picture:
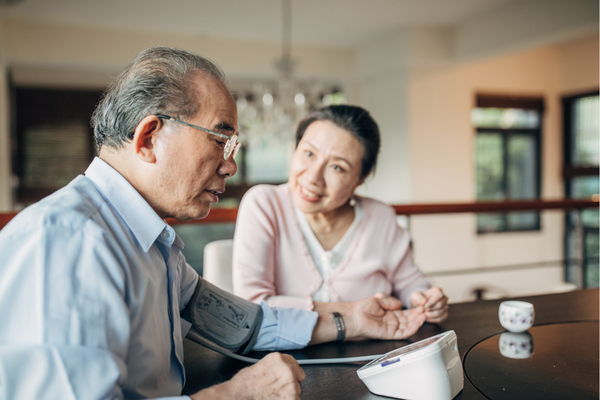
column 477, row 100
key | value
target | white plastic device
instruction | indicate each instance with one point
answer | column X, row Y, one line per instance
column 426, row 370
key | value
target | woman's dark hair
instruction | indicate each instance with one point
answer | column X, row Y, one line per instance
column 356, row 121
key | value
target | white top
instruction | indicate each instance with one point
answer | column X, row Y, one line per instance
column 327, row 261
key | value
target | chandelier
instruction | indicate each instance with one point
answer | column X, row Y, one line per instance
column 274, row 107
column 269, row 111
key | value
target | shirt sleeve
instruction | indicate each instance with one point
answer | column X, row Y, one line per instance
column 285, row 328
column 405, row 275
column 65, row 324
column 254, row 248
column 189, row 280
column 256, row 244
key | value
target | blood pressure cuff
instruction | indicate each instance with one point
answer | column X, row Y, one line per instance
column 225, row 319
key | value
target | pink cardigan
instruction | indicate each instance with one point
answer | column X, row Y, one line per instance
column 272, row 262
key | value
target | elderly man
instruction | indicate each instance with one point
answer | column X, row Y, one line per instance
column 93, row 281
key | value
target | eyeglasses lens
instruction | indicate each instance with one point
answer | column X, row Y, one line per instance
column 236, row 149
column 232, row 147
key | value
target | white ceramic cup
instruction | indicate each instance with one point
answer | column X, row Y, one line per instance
column 516, row 344
column 516, row 316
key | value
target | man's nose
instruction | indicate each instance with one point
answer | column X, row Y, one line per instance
column 227, row 168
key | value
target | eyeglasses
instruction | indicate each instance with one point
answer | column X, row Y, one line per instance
column 231, row 147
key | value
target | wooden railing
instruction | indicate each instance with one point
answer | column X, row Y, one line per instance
column 496, row 206
column 5, row 218
column 228, row 215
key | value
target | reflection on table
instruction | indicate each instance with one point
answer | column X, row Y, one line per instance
column 473, row 323
column 564, row 364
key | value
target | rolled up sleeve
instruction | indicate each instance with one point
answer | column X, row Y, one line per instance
column 285, row 328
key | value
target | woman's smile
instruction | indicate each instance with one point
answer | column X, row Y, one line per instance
column 309, row 195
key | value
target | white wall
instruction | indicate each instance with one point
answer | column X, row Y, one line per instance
column 386, row 99
column 60, row 48
column 427, row 154
column 383, row 74
column 524, row 24
column 579, row 65
column 420, row 89
column 443, row 138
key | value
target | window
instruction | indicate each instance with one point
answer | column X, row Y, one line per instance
column 52, row 141
column 507, row 158
column 580, row 119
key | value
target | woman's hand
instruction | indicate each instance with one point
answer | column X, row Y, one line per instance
column 377, row 317
column 382, row 317
column 434, row 301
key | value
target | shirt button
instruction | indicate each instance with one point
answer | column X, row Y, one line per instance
column 164, row 234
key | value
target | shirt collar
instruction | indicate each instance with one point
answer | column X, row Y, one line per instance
column 143, row 221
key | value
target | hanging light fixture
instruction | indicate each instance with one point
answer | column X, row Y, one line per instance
column 269, row 111
column 289, row 95
column 275, row 107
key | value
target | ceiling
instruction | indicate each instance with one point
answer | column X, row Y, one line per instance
column 338, row 23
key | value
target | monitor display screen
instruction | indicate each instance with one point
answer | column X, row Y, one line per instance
column 394, row 356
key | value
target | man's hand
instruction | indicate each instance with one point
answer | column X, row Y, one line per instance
column 382, row 317
column 277, row 376
column 434, row 301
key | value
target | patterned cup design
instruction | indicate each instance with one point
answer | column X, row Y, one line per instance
column 516, row 345
column 516, row 316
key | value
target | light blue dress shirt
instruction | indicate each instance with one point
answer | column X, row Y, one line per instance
column 92, row 282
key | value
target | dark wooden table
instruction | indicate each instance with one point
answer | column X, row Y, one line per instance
column 476, row 325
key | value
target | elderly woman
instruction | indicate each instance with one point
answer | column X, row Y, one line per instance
column 311, row 243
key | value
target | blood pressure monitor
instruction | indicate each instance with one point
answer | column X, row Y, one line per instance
column 426, row 370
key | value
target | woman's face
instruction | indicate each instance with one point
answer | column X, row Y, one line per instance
column 325, row 168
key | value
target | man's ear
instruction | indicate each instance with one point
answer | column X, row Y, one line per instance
column 144, row 138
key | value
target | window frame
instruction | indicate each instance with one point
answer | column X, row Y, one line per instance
column 517, row 102
column 570, row 172
column 32, row 106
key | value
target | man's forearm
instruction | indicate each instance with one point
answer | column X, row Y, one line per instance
column 225, row 391
column 275, row 376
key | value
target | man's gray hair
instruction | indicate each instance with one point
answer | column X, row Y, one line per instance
column 158, row 80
